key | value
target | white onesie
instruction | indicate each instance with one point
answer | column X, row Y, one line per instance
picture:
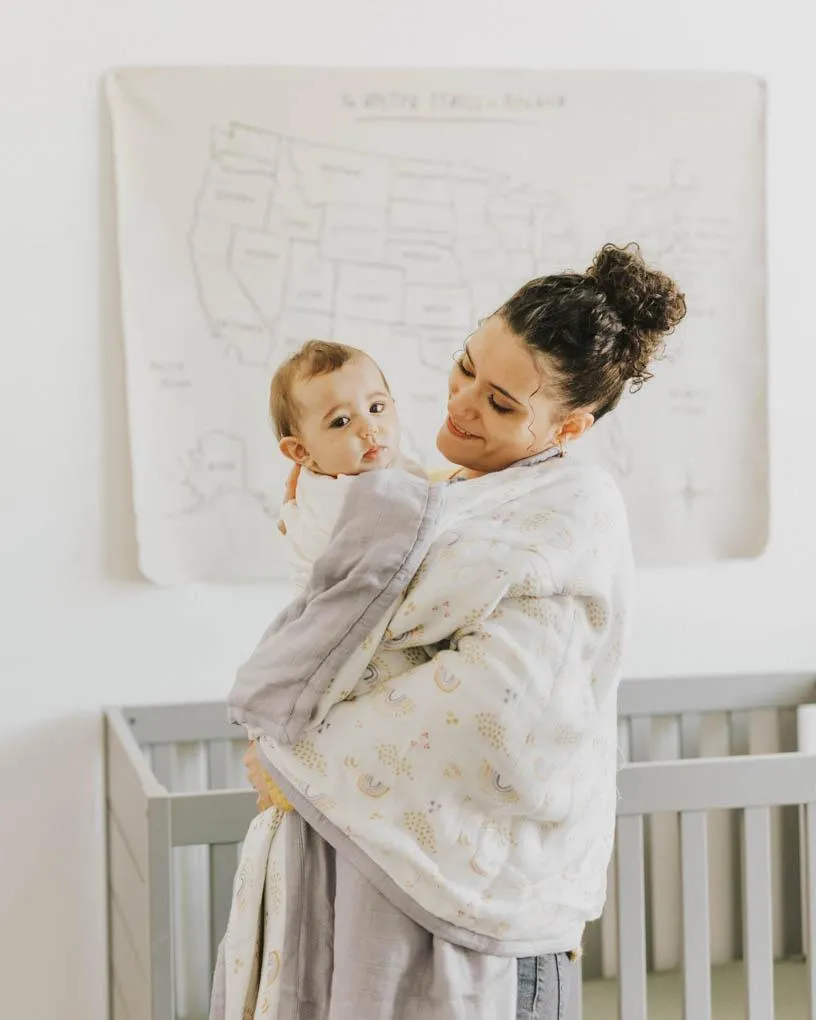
column 311, row 519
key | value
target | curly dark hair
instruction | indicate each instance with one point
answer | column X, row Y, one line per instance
column 600, row 329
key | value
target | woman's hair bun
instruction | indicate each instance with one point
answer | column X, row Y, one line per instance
column 647, row 302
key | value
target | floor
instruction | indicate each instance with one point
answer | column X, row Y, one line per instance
column 665, row 995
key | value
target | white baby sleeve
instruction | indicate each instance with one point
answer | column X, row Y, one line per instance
column 311, row 519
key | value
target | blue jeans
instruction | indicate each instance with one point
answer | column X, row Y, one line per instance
column 543, row 983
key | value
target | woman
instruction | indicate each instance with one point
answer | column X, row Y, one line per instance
column 441, row 703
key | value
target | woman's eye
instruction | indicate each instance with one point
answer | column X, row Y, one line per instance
column 340, row 423
column 499, row 407
column 463, row 367
column 377, row 407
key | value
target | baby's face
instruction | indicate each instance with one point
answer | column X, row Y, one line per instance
column 347, row 422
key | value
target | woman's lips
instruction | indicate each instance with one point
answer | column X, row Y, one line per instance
column 454, row 430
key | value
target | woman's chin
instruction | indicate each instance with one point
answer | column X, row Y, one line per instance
column 444, row 443
column 452, row 449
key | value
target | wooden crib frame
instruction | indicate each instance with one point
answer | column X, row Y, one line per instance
column 145, row 824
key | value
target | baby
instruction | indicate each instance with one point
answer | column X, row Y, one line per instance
column 334, row 416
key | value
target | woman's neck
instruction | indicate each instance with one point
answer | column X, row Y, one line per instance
column 463, row 473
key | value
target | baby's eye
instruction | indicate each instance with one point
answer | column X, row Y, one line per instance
column 377, row 407
column 340, row 422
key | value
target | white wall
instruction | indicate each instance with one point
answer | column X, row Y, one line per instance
column 79, row 628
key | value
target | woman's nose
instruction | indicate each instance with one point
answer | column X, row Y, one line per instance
column 460, row 404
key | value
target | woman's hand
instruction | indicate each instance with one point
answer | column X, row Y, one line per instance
column 255, row 774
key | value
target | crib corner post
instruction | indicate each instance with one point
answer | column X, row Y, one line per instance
column 160, row 891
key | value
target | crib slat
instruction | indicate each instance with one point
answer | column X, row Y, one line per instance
column 604, row 950
column 740, row 731
column 792, row 863
column 641, row 746
column 806, row 745
column 739, row 744
column 222, row 857
column 608, row 927
column 161, row 762
column 631, row 919
column 624, row 740
column 690, row 724
column 640, row 738
column 696, row 934
column 593, row 948
column 663, row 893
column 758, row 913
column 810, row 943
column 161, row 892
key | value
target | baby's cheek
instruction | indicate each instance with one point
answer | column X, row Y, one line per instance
column 332, row 453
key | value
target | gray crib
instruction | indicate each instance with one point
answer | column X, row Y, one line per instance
column 178, row 807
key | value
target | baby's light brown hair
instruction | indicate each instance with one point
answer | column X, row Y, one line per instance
column 315, row 357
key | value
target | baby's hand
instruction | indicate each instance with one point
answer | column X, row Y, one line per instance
column 255, row 774
column 291, row 485
column 290, row 492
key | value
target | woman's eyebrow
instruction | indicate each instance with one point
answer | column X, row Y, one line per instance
column 493, row 385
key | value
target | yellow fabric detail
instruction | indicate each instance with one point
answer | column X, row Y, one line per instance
column 275, row 795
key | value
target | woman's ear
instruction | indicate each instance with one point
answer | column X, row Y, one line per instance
column 293, row 448
column 576, row 425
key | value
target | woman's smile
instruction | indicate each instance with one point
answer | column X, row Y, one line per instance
column 455, row 430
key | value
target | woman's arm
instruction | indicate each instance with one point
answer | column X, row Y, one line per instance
column 383, row 533
column 524, row 615
column 500, row 709
column 484, row 750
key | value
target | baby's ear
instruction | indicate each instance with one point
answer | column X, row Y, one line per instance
column 293, row 448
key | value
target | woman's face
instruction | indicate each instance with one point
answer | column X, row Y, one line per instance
column 500, row 404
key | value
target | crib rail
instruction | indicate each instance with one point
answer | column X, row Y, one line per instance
column 695, row 780
column 700, row 694
column 713, row 716
column 163, row 841
column 139, row 914
column 751, row 786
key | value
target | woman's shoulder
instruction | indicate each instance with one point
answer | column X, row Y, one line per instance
column 575, row 530
column 576, row 488
column 580, row 502
column 585, row 482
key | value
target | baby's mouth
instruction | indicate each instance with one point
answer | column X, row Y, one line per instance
column 373, row 452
